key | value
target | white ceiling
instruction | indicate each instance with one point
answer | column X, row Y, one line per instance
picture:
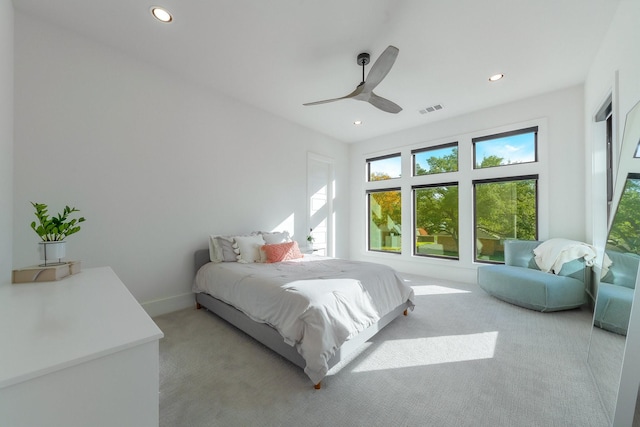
column 278, row 54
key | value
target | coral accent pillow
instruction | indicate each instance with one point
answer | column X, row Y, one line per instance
column 282, row 251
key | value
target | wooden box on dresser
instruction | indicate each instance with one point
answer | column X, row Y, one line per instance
column 77, row 352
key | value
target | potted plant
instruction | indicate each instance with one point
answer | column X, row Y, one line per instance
column 53, row 230
column 310, row 239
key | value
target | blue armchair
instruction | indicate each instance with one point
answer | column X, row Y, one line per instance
column 519, row 281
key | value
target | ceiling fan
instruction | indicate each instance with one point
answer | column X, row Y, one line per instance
column 364, row 91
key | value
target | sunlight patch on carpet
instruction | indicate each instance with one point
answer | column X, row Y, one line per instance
column 406, row 353
column 437, row 290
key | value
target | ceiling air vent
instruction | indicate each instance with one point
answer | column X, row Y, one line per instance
column 431, row 109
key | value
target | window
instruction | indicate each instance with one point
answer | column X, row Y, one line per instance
column 385, row 220
column 507, row 148
column 385, row 167
column 443, row 158
column 605, row 115
column 609, row 160
column 436, row 220
column 625, row 227
column 463, row 196
column 504, row 209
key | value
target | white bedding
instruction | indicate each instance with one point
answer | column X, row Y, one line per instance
column 551, row 254
column 316, row 303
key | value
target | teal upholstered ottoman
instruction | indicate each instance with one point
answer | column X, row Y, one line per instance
column 613, row 308
column 519, row 281
column 615, row 292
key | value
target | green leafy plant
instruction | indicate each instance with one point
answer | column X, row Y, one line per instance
column 310, row 238
column 55, row 228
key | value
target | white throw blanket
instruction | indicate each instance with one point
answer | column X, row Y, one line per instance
column 606, row 263
column 553, row 253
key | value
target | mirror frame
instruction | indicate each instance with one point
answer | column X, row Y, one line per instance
column 628, row 164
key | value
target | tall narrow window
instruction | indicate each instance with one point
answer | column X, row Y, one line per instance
column 436, row 217
column 605, row 116
column 609, row 139
column 385, row 220
column 504, row 209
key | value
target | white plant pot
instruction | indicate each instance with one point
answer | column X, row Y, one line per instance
column 52, row 252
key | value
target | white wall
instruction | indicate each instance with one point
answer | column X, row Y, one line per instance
column 561, row 192
column 6, row 139
column 155, row 163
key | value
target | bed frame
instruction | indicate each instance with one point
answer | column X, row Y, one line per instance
column 271, row 338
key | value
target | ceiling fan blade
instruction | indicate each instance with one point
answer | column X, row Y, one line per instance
column 326, row 101
column 355, row 93
column 381, row 68
column 384, row 104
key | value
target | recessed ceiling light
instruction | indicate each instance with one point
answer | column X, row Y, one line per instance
column 161, row 14
column 357, row 122
column 496, row 77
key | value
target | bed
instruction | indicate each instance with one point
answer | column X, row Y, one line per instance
column 314, row 311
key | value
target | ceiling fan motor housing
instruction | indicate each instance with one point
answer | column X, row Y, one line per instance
column 364, row 58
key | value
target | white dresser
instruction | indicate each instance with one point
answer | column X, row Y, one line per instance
column 77, row 352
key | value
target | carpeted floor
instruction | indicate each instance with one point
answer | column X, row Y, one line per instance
column 461, row 358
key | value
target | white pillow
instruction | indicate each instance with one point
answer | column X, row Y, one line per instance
column 220, row 249
column 248, row 248
column 275, row 237
column 215, row 254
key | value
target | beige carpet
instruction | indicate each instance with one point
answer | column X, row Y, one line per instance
column 461, row 358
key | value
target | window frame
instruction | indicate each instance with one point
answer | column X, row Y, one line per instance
column 368, row 206
column 532, row 129
column 414, row 217
column 465, row 176
column 434, row 148
column 377, row 158
column 535, row 177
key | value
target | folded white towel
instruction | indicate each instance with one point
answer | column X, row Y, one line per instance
column 553, row 253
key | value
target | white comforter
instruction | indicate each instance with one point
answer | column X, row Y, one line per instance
column 316, row 303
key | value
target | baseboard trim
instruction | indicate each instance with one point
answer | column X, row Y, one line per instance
column 162, row 306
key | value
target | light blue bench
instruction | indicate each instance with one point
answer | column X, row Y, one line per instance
column 615, row 293
column 519, row 281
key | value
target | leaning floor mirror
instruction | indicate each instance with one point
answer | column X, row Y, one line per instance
column 617, row 279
